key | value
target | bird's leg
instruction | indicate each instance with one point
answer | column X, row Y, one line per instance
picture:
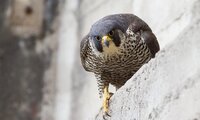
column 106, row 97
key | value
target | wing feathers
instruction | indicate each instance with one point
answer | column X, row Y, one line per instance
column 84, row 46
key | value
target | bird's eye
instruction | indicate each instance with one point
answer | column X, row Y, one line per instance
column 97, row 37
column 111, row 33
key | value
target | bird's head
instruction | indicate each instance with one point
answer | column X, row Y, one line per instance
column 106, row 36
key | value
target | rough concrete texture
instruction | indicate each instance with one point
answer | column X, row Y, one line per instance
column 167, row 88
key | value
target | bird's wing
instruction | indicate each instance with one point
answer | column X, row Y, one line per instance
column 148, row 36
column 84, row 49
column 151, row 41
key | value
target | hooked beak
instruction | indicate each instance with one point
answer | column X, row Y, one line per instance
column 106, row 40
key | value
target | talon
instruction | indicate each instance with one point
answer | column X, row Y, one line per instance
column 105, row 115
column 106, row 97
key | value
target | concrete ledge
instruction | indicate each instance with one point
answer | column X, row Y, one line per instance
column 168, row 87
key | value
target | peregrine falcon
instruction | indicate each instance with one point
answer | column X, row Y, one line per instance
column 115, row 49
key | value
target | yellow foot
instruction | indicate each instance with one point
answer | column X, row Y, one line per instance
column 106, row 98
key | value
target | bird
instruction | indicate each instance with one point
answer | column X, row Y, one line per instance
column 115, row 48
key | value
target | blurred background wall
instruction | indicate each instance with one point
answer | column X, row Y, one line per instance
column 28, row 48
column 40, row 72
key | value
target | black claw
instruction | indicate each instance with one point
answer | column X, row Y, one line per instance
column 105, row 115
column 111, row 94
